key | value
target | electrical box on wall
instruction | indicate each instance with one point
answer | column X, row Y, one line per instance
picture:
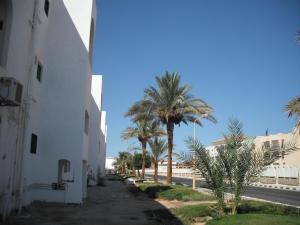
column 10, row 92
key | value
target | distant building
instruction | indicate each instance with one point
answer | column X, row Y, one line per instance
column 280, row 140
column 272, row 140
column 109, row 163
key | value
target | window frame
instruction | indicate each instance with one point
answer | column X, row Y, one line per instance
column 39, row 71
column 47, row 7
column 33, row 143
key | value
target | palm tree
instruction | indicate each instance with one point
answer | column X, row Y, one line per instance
column 143, row 131
column 293, row 109
column 122, row 162
column 170, row 105
column 158, row 149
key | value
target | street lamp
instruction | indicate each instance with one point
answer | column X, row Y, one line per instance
column 194, row 156
column 194, row 152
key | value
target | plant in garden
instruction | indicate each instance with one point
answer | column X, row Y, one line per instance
column 236, row 163
column 170, row 104
column 158, row 148
column 209, row 168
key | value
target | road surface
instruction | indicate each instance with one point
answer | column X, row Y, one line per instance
column 269, row 194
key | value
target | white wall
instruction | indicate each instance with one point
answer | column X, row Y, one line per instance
column 95, row 136
column 103, row 141
column 54, row 108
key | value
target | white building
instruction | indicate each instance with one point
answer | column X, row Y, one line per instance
column 48, row 141
column 109, row 165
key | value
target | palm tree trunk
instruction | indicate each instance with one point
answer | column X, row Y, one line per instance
column 170, row 130
column 144, row 145
column 156, row 172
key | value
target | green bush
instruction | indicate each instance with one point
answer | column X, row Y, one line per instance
column 257, row 207
column 173, row 192
column 188, row 213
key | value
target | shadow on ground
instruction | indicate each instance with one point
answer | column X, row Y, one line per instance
column 115, row 203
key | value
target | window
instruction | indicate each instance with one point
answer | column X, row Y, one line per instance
column 266, row 144
column 275, row 144
column 33, row 144
column 86, row 122
column 64, row 168
column 282, row 143
column 46, row 7
column 39, row 72
column 1, row 24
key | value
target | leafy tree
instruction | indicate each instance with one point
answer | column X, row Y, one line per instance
column 144, row 130
column 293, row 109
column 170, row 104
column 138, row 161
column 158, row 149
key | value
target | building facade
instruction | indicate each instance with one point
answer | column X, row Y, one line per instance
column 45, row 141
column 279, row 141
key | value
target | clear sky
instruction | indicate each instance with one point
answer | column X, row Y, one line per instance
column 239, row 56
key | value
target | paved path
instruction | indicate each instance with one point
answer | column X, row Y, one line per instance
column 113, row 204
column 269, row 194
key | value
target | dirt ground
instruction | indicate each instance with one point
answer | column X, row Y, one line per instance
column 178, row 204
column 113, row 204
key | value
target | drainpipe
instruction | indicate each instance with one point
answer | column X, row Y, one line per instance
column 27, row 98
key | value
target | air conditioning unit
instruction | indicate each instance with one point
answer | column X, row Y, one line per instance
column 10, row 92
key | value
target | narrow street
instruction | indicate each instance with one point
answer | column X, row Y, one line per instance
column 112, row 204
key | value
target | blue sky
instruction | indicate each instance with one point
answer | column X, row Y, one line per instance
column 240, row 56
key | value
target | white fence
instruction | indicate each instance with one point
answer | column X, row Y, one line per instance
column 279, row 175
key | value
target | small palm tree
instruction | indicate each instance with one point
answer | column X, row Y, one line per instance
column 122, row 162
column 171, row 104
column 143, row 131
column 158, row 149
column 293, row 109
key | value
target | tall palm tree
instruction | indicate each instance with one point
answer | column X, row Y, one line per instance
column 293, row 109
column 158, row 149
column 171, row 104
column 143, row 131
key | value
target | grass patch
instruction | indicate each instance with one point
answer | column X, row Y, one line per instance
column 248, row 210
column 188, row 213
column 257, row 219
column 266, row 208
column 174, row 192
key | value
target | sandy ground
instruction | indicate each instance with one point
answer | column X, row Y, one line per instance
column 178, row 204
column 112, row 204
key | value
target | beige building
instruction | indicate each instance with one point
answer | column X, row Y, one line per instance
column 280, row 140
